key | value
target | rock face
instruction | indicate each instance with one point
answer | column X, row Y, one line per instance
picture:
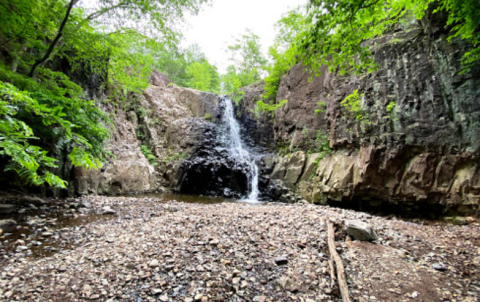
column 212, row 169
column 424, row 152
column 360, row 231
column 169, row 122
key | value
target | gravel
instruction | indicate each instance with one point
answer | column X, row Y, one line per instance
column 155, row 250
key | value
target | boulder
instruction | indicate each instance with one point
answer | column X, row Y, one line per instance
column 294, row 168
column 108, row 211
column 8, row 225
column 32, row 200
column 359, row 230
column 6, row 208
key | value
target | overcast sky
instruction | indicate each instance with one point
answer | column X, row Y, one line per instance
column 212, row 29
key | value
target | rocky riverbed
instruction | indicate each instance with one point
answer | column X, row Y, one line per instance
column 151, row 249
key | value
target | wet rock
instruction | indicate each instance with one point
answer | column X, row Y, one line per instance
column 360, row 231
column 7, row 225
column 34, row 200
column 6, row 208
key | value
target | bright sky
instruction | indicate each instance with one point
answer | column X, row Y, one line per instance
column 213, row 28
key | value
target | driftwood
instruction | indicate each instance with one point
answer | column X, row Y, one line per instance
column 342, row 283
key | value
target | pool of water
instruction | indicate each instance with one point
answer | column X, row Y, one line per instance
column 58, row 219
column 191, row 198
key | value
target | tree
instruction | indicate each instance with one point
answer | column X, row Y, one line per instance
column 43, row 114
column 340, row 28
column 284, row 53
column 247, row 57
column 188, row 68
column 149, row 19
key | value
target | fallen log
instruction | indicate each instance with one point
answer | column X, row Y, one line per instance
column 342, row 282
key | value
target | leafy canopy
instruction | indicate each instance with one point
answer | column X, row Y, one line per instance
column 248, row 63
column 340, row 29
column 44, row 114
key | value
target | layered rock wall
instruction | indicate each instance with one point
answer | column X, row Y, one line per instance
column 424, row 152
column 169, row 121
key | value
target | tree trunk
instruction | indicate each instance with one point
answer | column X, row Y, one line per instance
column 54, row 42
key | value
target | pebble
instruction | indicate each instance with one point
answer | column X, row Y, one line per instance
column 170, row 251
column 281, row 260
column 439, row 267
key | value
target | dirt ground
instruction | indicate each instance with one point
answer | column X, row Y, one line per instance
column 149, row 249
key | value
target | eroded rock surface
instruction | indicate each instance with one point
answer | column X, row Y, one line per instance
column 169, row 121
column 424, row 152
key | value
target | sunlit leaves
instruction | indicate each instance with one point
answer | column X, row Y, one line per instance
column 284, row 53
column 341, row 29
column 247, row 58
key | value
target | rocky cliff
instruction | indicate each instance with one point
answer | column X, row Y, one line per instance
column 166, row 121
column 424, row 153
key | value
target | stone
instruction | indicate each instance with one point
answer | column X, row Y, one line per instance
column 27, row 200
column 281, row 260
column 154, row 263
column 164, row 298
column 359, row 230
column 439, row 267
column 8, row 225
column 400, row 159
column 259, row 298
column 6, row 208
column 294, row 168
column 459, row 220
column 108, row 211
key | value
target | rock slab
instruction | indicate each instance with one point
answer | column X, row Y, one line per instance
column 362, row 231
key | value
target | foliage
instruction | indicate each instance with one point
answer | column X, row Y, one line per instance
column 352, row 103
column 203, row 76
column 148, row 155
column 44, row 114
column 30, row 118
column 189, row 68
column 231, row 84
column 391, row 109
column 247, row 56
column 207, row 116
column 322, row 144
column 268, row 109
column 322, row 106
column 285, row 49
column 248, row 63
column 340, row 29
column 176, row 156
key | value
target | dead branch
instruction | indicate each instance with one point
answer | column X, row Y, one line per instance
column 342, row 283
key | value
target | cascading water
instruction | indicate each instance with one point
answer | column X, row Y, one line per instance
column 232, row 142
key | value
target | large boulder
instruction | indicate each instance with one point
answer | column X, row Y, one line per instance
column 360, row 230
column 294, row 168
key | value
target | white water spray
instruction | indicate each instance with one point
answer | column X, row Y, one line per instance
column 232, row 141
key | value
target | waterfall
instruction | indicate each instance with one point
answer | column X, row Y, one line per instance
column 233, row 143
